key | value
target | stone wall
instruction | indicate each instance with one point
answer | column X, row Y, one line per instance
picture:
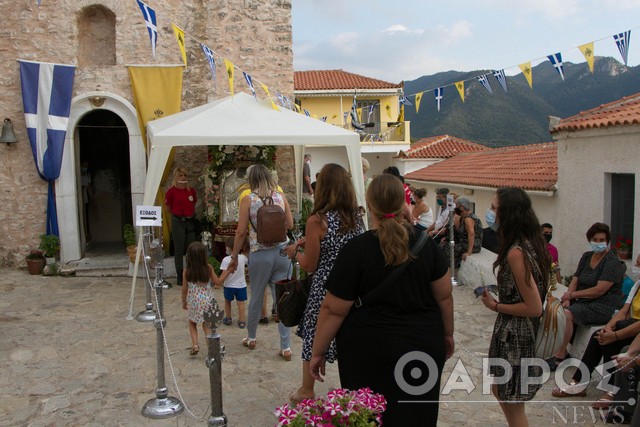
column 254, row 35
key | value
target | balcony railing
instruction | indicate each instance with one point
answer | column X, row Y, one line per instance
column 390, row 133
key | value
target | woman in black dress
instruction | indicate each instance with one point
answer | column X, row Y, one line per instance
column 524, row 266
column 397, row 343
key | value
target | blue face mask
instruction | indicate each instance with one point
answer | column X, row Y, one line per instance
column 439, row 202
column 490, row 217
column 598, row 247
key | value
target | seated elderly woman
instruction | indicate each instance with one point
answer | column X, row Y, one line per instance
column 594, row 293
column 467, row 233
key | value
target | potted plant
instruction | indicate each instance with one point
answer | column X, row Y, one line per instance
column 129, row 237
column 624, row 246
column 341, row 407
column 50, row 245
column 35, row 261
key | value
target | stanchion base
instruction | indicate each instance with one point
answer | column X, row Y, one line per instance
column 454, row 282
column 220, row 421
column 146, row 316
column 166, row 285
column 160, row 408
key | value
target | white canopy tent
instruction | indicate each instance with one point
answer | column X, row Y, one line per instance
column 241, row 120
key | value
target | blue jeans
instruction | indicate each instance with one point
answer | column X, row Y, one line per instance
column 266, row 266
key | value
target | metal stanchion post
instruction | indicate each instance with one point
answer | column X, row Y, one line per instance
column 163, row 406
column 212, row 318
column 148, row 314
column 452, row 242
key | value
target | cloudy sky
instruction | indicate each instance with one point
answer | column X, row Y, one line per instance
column 405, row 39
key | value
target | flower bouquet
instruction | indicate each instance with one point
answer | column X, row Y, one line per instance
column 341, row 407
column 624, row 247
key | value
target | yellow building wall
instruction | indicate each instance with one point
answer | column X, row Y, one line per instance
column 335, row 107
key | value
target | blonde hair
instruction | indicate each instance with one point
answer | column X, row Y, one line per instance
column 385, row 197
column 365, row 165
column 177, row 172
column 261, row 181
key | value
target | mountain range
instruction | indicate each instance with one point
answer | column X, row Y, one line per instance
column 521, row 115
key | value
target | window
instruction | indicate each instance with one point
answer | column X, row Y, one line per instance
column 96, row 37
column 374, row 117
column 622, row 205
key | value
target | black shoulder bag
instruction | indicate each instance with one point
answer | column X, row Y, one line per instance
column 377, row 292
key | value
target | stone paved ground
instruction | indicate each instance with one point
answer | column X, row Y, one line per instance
column 69, row 357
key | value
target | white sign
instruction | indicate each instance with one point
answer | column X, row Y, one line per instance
column 148, row 216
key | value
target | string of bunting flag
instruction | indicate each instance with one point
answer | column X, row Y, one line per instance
column 622, row 41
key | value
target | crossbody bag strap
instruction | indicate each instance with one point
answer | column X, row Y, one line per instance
column 376, row 292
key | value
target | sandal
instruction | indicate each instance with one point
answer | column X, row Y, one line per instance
column 249, row 343
column 227, row 320
column 554, row 361
column 604, row 402
column 285, row 353
column 295, row 398
column 561, row 393
column 194, row 350
column 242, row 324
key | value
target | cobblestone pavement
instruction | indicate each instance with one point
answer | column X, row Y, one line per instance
column 69, row 357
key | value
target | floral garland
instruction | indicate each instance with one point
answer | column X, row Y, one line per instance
column 223, row 158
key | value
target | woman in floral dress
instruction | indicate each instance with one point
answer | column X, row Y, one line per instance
column 335, row 219
column 524, row 266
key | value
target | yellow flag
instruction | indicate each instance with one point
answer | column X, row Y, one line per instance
column 401, row 115
column 418, row 99
column 157, row 93
column 528, row 73
column 460, row 87
column 179, row 32
column 266, row 90
column 230, row 70
column 298, row 109
column 359, row 113
column 588, row 52
column 388, row 108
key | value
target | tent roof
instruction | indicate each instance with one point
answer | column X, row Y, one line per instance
column 241, row 120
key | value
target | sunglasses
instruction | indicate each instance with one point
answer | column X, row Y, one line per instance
column 480, row 290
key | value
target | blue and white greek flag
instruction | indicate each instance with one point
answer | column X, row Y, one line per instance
column 622, row 40
column 249, row 80
column 371, row 108
column 405, row 101
column 208, row 53
column 355, row 123
column 323, row 118
column 150, row 19
column 438, row 94
column 281, row 99
column 502, row 79
column 306, row 112
column 556, row 61
column 485, row 82
column 47, row 90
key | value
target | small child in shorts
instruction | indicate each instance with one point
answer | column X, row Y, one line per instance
column 235, row 285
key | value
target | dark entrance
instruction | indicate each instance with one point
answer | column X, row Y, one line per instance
column 105, row 179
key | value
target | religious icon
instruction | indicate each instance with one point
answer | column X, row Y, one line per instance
column 234, row 182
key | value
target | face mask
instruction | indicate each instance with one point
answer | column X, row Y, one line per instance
column 598, row 247
column 458, row 211
column 439, row 202
column 490, row 217
column 182, row 182
column 547, row 237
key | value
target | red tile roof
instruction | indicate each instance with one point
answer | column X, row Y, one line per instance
column 337, row 79
column 443, row 146
column 625, row 111
column 531, row 167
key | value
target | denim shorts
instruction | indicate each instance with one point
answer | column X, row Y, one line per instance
column 240, row 294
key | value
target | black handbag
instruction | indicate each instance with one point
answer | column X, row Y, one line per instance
column 291, row 297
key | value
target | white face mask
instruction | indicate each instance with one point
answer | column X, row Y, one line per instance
column 182, row 182
column 598, row 247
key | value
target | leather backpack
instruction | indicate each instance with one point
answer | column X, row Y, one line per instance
column 270, row 223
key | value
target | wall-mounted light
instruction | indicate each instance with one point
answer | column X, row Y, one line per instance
column 468, row 191
column 97, row 101
column 7, row 135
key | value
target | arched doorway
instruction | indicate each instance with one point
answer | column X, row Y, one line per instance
column 104, row 199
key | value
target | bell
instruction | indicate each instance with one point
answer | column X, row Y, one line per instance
column 7, row 133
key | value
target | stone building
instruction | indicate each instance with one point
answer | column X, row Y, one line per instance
column 103, row 37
